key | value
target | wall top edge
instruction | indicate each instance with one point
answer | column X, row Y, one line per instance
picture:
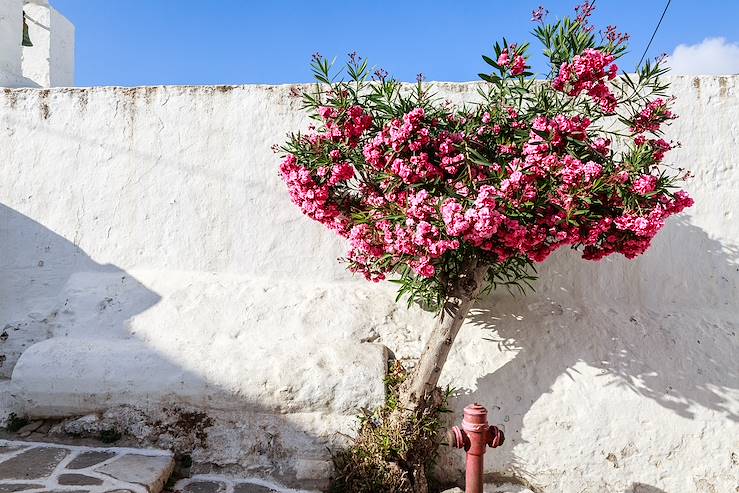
column 230, row 87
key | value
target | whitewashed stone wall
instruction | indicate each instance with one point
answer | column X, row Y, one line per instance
column 150, row 261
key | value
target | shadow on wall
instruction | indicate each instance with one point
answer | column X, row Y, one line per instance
column 36, row 264
column 643, row 488
column 44, row 279
column 681, row 359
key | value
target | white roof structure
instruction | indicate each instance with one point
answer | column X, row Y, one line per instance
column 50, row 61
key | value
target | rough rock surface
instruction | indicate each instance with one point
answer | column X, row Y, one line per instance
column 154, row 218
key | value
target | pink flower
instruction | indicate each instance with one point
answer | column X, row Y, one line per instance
column 592, row 170
column 682, row 201
column 451, row 214
column 644, row 184
column 652, row 116
column 602, row 145
column 519, row 65
column 539, row 14
column 588, row 73
column 341, row 172
column 622, row 176
column 327, row 112
column 313, row 199
column 659, row 148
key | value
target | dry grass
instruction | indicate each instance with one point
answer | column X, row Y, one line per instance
column 394, row 450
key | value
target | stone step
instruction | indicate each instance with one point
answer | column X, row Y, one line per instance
column 35, row 467
column 68, row 376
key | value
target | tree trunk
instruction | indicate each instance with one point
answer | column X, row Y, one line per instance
column 425, row 377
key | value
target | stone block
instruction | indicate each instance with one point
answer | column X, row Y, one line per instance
column 153, row 472
column 35, row 463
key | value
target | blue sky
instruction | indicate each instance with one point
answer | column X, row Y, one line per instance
column 149, row 42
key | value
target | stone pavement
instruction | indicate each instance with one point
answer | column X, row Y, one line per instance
column 492, row 488
column 220, row 484
column 33, row 467
column 37, row 467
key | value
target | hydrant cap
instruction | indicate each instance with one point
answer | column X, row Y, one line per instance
column 475, row 413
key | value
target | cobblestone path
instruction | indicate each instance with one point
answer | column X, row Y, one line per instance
column 31, row 467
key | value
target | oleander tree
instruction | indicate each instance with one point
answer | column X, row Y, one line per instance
column 451, row 202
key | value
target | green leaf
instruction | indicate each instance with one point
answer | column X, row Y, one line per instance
column 491, row 62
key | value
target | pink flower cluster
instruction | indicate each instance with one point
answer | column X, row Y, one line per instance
column 486, row 225
column 652, row 116
column 510, row 59
column 542, row 153
column 482, row 224
column 345, row 126
column 589, row 73
column 312, row 198
column 407, row 148
column 631, row 234
column 644, row 184
column 416, row 238
column 553, row 133
column 413, row 150
column 502, row 180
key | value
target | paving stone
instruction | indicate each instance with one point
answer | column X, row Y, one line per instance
column 252, row 488
column 203, row 486
column 77, row 480
column 150, row 471
column 35, row 463
column 7, row 448
column 119, row 491
column 493, row 488
column 10, row 488
column 87, row 459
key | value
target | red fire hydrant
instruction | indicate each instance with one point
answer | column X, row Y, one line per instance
column 475, row 436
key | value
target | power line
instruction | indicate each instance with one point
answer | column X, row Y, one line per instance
column 653, row 34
